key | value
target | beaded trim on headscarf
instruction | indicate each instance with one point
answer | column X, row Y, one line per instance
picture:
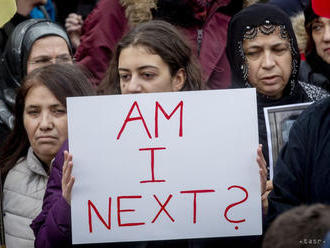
column 267, row 28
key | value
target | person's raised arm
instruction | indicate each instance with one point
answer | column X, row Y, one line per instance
column 52, row 227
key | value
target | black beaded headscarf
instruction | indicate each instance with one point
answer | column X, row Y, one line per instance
column 246, row 25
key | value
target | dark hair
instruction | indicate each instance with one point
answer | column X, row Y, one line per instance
column 63, row 80
column 310, row 16
column 159, row 38
column 294, row 227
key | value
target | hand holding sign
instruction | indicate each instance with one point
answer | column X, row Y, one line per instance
column 164, row 166
column 67, row 178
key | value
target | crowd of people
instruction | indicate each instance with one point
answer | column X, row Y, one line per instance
column 147, row 46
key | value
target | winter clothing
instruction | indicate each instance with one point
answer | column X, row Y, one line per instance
column 207, row 34
column 40, row 12
column 246, row 25
column 303, row 92
column 301, row 175
column 13, row 63
column 314, row 77
column 300, row 32
column 101, row 31
column 46, row 11
column 315, row 70
column 52, row 227
column 8, row 28
column 23, row 194
column 55, row 226
column 80, row 7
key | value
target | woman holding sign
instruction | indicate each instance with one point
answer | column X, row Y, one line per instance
column 153, row 57
column 263, row 52
column 40, row 128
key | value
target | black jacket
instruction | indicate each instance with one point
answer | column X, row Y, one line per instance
column 302, row 172
column 302, row 93
column 306, row 74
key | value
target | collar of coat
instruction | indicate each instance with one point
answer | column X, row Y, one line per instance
column 138, row 11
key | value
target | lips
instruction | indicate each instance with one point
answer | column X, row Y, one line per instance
column 273, row 79
column 46, row 138
column 327, row 50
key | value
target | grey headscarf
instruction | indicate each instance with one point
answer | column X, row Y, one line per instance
column 13, row 61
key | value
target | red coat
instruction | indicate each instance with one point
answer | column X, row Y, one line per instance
column 107, row 24
column 102, row 29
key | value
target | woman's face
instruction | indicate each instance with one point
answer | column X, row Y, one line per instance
column 143, row 72
column 321, row 37
column 269, row 63
column 45, row 122
column 48, row 50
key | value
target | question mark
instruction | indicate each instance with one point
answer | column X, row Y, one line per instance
column 234, row 204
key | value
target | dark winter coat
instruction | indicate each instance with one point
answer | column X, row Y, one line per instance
column 307, row 74
column 254, row 17
column 103, row 29
column 291, row 7
column 301, row 175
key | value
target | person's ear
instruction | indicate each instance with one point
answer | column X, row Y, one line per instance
column 178, row 80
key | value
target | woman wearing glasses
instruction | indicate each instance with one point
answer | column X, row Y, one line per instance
column 33, row 44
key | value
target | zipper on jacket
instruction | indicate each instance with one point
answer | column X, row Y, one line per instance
column 199, row 40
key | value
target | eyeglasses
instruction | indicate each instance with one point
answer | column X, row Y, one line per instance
column 45, row 60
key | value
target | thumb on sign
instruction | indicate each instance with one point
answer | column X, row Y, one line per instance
column 7, row 10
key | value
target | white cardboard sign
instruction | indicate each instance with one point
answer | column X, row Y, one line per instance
column 164, row 166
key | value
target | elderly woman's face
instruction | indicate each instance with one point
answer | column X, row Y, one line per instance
column 269, row 63
column 321, row 37
column 48, row 50
column 45, row 122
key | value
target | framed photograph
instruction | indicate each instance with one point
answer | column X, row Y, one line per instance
column 279, row 121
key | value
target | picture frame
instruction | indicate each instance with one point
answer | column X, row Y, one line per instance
column 279, row 120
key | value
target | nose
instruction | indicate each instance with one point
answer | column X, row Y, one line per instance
column 46, row 122
column 268, row 61
column 326, row 35
column 134, row 85
column 53, row 61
